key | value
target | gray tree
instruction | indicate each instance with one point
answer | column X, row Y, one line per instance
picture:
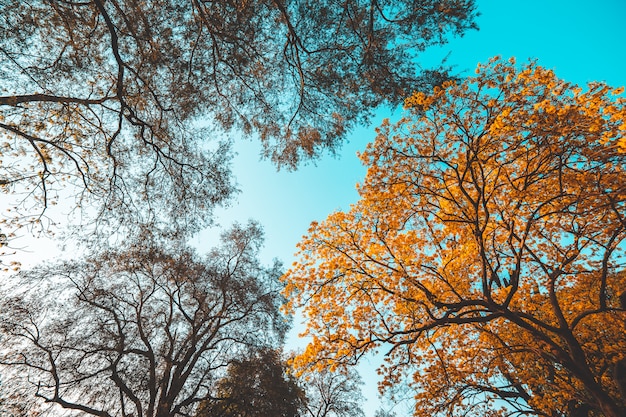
column 333, row 394
column 142, row 331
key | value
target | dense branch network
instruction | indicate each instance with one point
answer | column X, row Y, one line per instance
column 138, row 331
column 119, row 97
column 489, row 236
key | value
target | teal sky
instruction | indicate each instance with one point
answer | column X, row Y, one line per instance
column 580, row 40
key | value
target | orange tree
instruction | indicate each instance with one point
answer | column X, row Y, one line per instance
column 485, row 254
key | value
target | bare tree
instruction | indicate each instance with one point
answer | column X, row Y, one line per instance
column 142, row 331
column 333, row 394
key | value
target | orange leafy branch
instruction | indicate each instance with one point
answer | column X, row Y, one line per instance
column 486, row 253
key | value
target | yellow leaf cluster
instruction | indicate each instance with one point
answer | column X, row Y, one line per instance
column 486, row 251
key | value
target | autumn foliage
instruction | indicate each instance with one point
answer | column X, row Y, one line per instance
column 485, row 256
column 124, row 104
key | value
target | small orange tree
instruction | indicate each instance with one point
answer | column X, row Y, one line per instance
column 486, row 252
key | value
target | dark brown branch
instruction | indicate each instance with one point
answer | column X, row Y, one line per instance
column 48, row 98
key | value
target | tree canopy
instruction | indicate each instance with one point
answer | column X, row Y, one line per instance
column 486, row 252
column 256, row 386
column 120, row 97
column 140, row 330
column 264, row 385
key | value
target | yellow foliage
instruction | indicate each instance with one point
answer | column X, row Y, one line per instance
column 486, row 251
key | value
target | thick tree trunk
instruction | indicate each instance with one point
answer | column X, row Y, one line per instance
column 605, row 403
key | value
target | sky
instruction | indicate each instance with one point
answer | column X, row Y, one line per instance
column 581, row 41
